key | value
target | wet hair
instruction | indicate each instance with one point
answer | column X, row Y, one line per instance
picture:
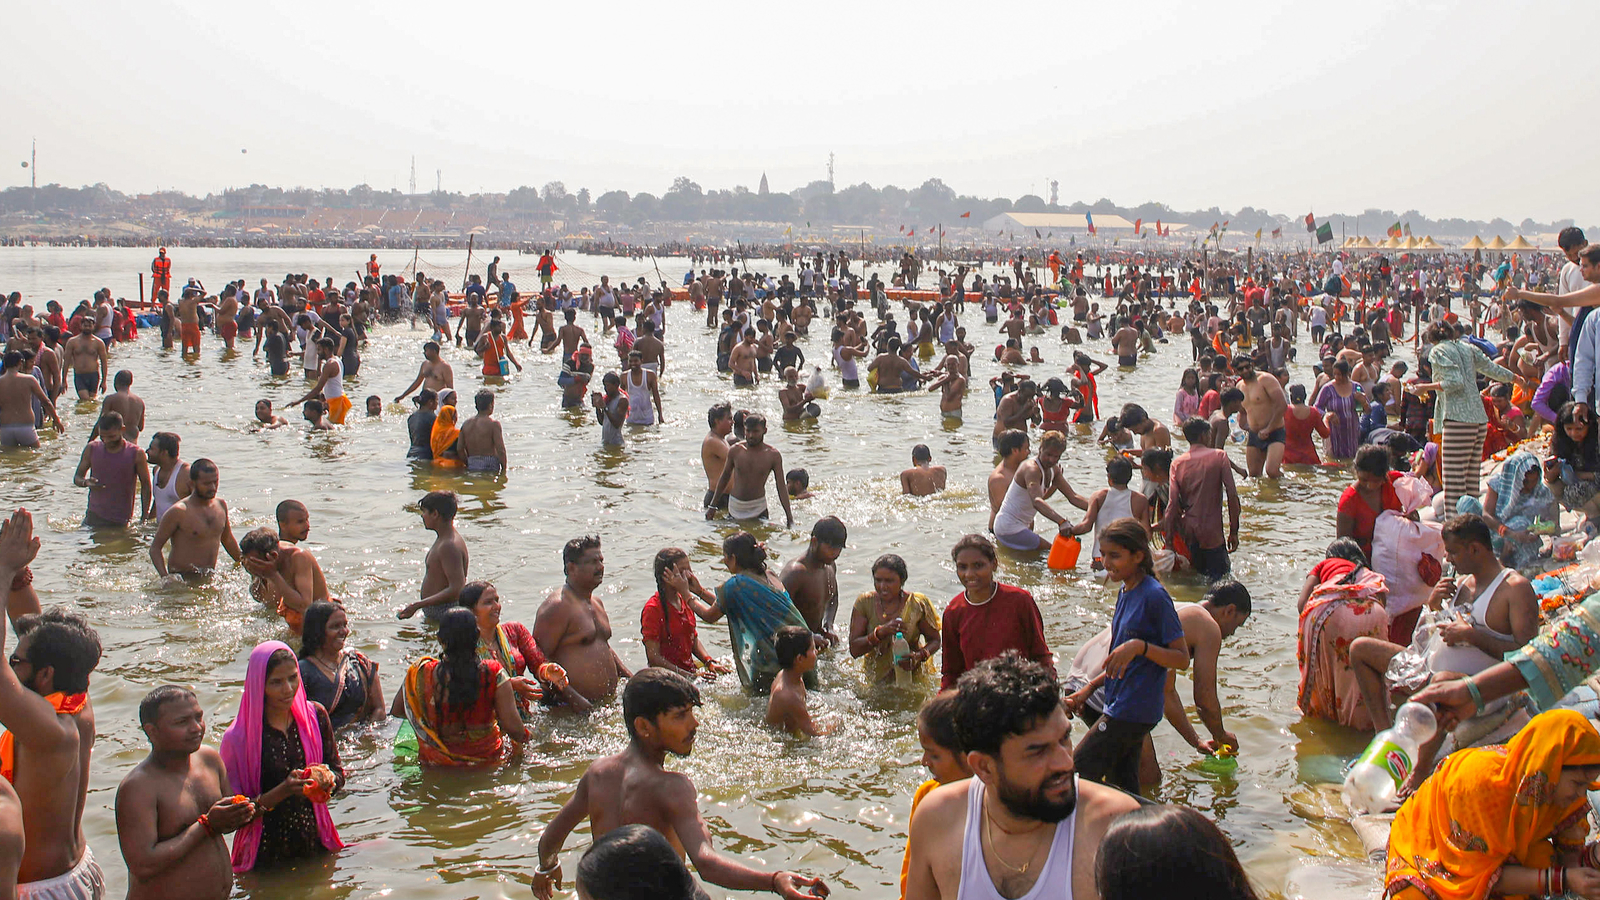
column 287, row 507
column 1297, row 393
column 974, row 542
column 1233, row 395
column 634, row 862
column 573, row 550
column 893, row 563
column 471, row 593
column 665, row 559
column 200, row 467
column 1011, row 440
column 798, row 476
column 1133, row 415
column 1128, row 534
column 938, row 718
column 716, row 412
column 1347, row 548
column 314, row 631
column 1158, row 459
column 1228, row 592
column 921, row 452
column 830, row 530
column 1001, row 697
column 261, row 540
column 150, row 706
column 1119, row 470
column 442, row 503
column 483, row 400
column 790, row 643
column 742, row 546
column 1571, row 238
column 109, row 420
column 1373, row 460
column 124, row 378
column 459, row 671
column 653, row 691
column 65, row 640
column 315, row 407
column 751, row 418
column 1196, row 429
column 1168, row 851
column 1468, row 527
column 166, row 442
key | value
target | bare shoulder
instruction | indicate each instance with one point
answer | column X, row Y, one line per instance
column 943, row 807
column 1098, row 805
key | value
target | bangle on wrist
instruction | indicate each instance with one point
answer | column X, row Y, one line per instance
column 1145, row 649
column 205, row 822
column 774, row 886
column 1475, row 693
column 546, row 870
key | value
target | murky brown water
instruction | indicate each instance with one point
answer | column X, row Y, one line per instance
column 835, row 806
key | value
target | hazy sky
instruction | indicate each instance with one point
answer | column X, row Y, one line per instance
column 1455, row 109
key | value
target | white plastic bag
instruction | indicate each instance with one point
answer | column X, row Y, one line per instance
column 1398, row 545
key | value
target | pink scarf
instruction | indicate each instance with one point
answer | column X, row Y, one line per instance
column 241, row 752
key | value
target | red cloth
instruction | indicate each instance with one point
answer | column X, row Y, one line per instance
column 1201, row 492
column 972, row 634
column 1332, row 569
column 1351, row 504
column 672, row 629
column 526, row 658
column 1210, row 403
column 1299, row 448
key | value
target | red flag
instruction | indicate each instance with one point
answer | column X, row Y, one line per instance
column 1136, row 224
column 930, row 230
column 1277, row 232
column 1311, row 222
column 902, row 229
column 967, row 214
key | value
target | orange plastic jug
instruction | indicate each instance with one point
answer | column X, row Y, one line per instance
column 1064, row 552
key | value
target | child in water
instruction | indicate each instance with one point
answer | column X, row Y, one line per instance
column 786, row 708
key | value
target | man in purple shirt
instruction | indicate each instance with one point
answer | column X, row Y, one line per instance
column 1199, row 480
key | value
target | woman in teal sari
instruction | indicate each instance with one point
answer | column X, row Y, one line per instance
column 756, row 606
column 1515, row 497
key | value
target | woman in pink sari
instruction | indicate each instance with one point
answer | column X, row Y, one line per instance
column 1341, row 600
column 277, row 734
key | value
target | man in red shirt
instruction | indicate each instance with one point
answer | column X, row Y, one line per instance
column 987, row 618
column 1199, row 480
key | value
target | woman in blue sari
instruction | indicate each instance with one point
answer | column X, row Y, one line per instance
column 756, row 606
column 1514, row 499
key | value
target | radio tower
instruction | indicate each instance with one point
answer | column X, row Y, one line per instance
column 438, row 181
column 830, row 168
column 413, row 174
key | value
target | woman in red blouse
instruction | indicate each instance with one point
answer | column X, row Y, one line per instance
column 671, row 639
column 1362, row 502
column 511, row 645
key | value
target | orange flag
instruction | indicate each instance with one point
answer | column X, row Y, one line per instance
column 967, row 214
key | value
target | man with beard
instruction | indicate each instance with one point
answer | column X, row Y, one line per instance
column 744, row 476
column 634, row 788
column 171, row 813
column 197, row 526
column 572, row 627
column 1040, row 828
column 44, row 706
column 88, row 359
column 109, row 467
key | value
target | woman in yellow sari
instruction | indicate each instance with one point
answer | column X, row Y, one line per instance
column 443, row 439
column 1502, row 821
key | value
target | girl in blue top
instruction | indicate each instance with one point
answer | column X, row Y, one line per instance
column 1146, row 640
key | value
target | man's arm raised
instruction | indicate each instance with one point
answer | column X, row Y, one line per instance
column 24, row 713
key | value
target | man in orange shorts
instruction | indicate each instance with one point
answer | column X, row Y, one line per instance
column 330, row 380
column 189, row 321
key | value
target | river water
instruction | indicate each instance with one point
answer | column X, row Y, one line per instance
column 835, row 806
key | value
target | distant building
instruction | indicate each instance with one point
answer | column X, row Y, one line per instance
column 763, row 189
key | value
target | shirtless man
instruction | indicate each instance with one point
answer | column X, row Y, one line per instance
column 573, row 629
column 227, row 319
column 1125, row 343
column 125, row 402
column 445, row 568
column 434, row 374
column 1016, row 410
column 1264, row 406
column 812, row 578
column 952, row 388
column 266, row 418
column 1224, row 608
column 793, row 396
column 571, row 334
column 1009, row 719
column 1151, row 433
column 742, row 360
column 744, row 476
column 923, row 478
column 196, row 525
column 189, row 321
column 634, row 787
column 18, row 392
column 53, row 740
column 1036, row 480
column 482, row 442
column 1013, row 450
column 714, row 448
column 88, row 359
column 284, row 577
column 471, row 321
column 171, row 810
column 652, row 353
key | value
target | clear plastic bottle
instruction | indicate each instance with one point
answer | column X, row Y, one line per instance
column 1376, row 777
column 902, row 649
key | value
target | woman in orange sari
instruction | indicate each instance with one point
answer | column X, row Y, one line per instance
column 1342, row 599
column 445, row 433
column 1502, row 821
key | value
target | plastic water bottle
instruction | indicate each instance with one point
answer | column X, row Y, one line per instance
column 1387, row 763
column 902, row 649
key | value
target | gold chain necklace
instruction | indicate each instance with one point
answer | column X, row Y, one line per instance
column 988, row 831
